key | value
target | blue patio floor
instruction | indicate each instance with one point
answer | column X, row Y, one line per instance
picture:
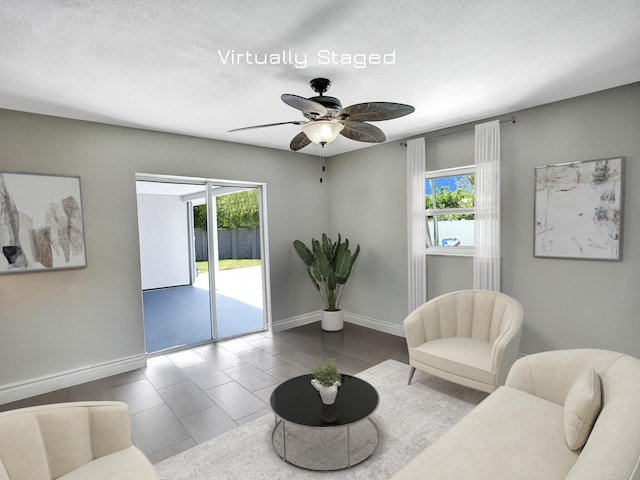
column 179, row 316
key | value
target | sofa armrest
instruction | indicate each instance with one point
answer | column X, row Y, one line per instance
column 550, row 375
column 506, row 347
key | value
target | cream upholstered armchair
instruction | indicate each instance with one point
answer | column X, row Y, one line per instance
column 71, row 441
column 470, row 337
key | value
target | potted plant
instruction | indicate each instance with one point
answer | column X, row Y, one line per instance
column 329, row 265
column 326, row 380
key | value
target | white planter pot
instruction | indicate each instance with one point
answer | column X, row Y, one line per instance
column 332, row 321
column 327, row 394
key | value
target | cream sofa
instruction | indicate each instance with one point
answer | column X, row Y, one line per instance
column 533, row 427
column 71, row 441
column 470, row 337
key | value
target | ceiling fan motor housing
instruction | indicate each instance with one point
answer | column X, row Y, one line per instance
column 320, row 85
column 332, row 105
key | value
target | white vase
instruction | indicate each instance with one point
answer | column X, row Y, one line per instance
column 332, row 321
column 327, row 394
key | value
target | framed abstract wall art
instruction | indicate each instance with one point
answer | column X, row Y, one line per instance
column 578, row 210
column 41, row 224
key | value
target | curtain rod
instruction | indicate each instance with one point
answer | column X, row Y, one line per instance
column 459, row 129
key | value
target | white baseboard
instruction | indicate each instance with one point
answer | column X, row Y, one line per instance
column 49, row 383
column 298, row 321
column 372, row 323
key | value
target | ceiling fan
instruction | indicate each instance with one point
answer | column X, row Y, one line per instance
column 326, row 118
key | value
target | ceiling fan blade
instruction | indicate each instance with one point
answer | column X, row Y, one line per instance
column 306, row 106
column 299, row 141
column 362, row 132
column 375, row 111
column 295, row 122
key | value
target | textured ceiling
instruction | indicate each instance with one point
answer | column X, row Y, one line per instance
column 181, row 66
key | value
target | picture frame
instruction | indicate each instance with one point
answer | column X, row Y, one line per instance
column 41, row 223
column 578, row 210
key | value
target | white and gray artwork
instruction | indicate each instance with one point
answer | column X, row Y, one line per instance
column 578, row 210
column 40, row 223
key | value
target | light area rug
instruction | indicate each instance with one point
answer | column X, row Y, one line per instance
column 409, row 419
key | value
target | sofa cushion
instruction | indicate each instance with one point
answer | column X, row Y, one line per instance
column 581, row 408
column 128, row 464
column 510, row 435
column 465, row 357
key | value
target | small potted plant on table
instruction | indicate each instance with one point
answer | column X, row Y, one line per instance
column 326, row 379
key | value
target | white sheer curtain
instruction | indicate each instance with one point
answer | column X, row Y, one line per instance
column 486, row 258
column 416, row 223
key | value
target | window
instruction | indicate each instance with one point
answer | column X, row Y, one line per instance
column 449, row 202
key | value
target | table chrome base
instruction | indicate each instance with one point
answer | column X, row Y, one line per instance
column 327, row 447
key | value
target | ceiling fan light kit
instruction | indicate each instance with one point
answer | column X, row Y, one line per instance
column 326, row 119
column 322, row 131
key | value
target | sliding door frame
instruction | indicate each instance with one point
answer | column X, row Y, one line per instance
column 212, row 235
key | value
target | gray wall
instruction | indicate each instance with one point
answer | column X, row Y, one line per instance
column 567, row 303
column 573, row 303
column 368, row 205
column 59, row 321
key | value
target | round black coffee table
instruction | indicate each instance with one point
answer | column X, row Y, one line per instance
column 315, row 436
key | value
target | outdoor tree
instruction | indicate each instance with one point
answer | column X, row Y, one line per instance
column 200, row 216
column 445, row 198
column 235, row 210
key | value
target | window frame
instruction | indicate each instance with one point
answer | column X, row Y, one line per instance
column 438, row 249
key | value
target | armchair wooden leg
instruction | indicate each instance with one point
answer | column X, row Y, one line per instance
column 413, row 370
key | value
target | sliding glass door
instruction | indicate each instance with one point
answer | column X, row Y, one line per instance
column 203, row 261
column 236, row 260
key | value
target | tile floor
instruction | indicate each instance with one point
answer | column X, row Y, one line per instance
column 187, row 397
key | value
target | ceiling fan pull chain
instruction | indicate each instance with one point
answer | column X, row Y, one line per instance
column 322, row 163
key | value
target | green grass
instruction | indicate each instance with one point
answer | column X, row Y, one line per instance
column 229, row 264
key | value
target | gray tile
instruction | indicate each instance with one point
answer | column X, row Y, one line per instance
column 237, row 345
column 207, row 424
column 250, row 377
column 126, row 377
column 138, row 395
column 157, row 457
column 254, row 336
column 235, row 400
column 253, row 416
column 185, row 398
column 264, row 394
column 93, row 391
column 271, row 345
column 157, row 429
column 207, row 375
column 261, row 359
column 185, row 358
column 350, row 365
column 219, row 357
column 285, row 372
column 57, row 396
column 302, row 359
column 162, row 372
